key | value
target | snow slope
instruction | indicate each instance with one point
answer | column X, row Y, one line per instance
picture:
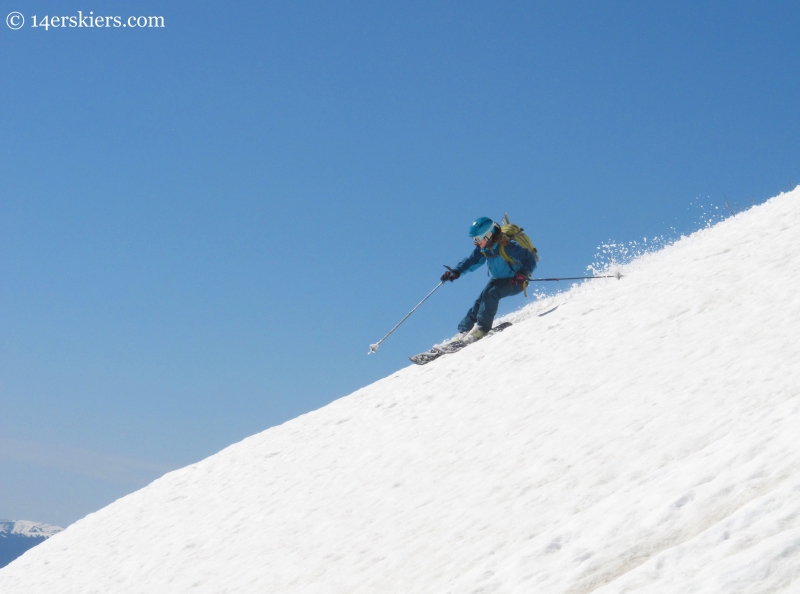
column 643, row 437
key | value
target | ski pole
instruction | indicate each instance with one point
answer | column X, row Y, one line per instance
column 373, row 348
column 616, row 276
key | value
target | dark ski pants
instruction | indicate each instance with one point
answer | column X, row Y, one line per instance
column 485, row 307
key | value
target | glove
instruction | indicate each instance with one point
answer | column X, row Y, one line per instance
column 450, row 275
column 519, row 279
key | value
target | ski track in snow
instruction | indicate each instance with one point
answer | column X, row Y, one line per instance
column 640, row 438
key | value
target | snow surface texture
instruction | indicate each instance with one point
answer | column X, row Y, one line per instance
column 643, row 437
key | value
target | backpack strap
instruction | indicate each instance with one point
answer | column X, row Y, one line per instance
column 506, row 257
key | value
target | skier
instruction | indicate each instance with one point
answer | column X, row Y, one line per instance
column 510, row 266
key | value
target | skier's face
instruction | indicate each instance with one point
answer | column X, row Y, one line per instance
column 483, row 240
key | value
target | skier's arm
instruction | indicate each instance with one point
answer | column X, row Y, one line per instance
column 524, row 258
column 471, row 262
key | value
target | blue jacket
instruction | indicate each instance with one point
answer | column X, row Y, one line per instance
column 524, row 262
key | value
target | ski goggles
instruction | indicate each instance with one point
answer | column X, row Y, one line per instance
column 485, row 237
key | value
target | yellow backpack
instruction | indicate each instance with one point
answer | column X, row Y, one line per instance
column 516, row 233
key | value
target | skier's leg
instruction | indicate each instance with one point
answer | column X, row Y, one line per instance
column 490, row 299
column 469, row 320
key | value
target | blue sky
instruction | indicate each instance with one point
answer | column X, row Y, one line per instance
column 204, row 226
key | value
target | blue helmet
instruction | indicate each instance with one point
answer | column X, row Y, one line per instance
column 480, row 227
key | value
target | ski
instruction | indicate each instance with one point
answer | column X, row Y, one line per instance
column 452, row 347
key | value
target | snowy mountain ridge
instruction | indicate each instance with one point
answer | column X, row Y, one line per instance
column 642, row 437
column 26, row 528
